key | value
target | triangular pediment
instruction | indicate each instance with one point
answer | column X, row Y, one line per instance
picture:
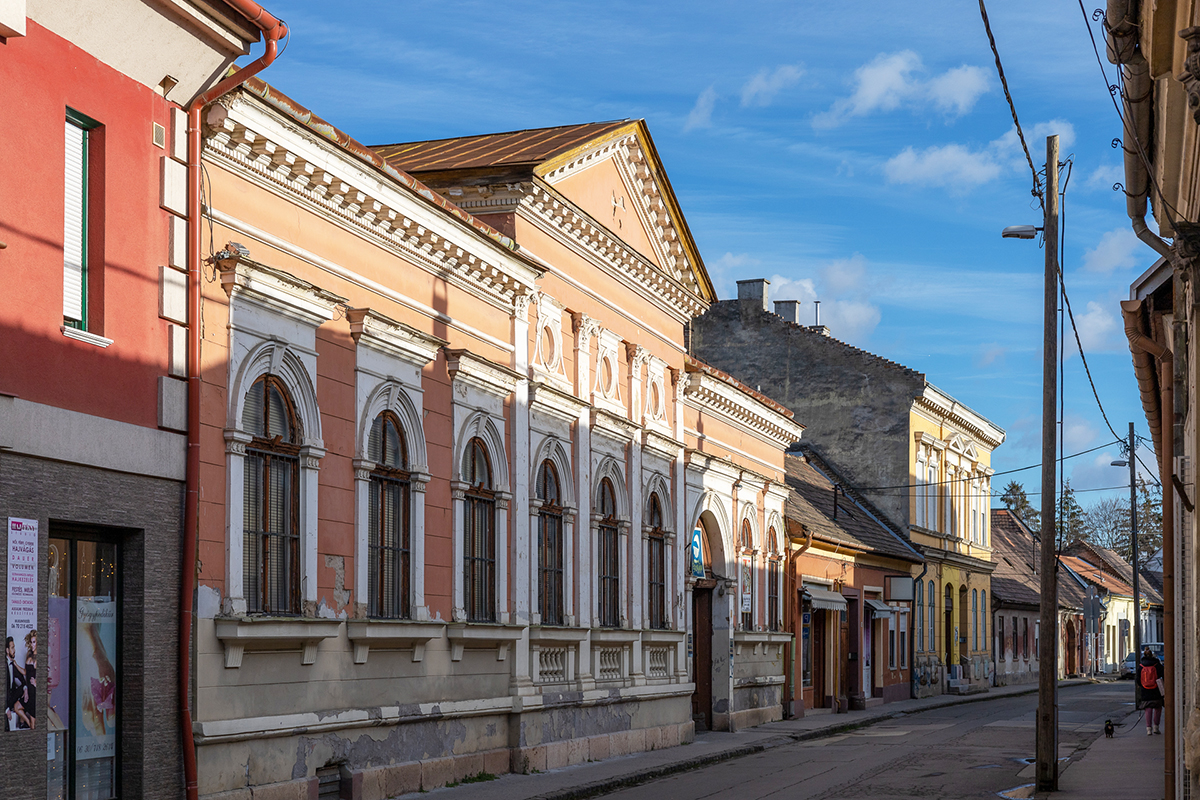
column 618, row 181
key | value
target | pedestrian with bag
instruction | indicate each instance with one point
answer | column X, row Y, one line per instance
column 1150, row 676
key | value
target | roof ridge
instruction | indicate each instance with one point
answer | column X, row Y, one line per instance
column 503, row 133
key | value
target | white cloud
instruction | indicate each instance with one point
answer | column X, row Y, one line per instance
column 701, row 113
column 893, row 79
column 956, row 90
column 1096, row 327
column 762, row 88
column 990, row 354
column 1105, row 176
column 952, row 165
column 960, row 168
column 1078, row 434
column 844, row 289
column 1117, row 249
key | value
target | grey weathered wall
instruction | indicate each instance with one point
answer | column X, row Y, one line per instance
column 144, row 515
column 855, row 404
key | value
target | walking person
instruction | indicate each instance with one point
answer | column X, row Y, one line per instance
column 1150, row 676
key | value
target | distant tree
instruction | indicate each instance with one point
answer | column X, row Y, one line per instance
column 1016, row 501
column 1106, row 523
column 1070, row 516
column 1150, row 519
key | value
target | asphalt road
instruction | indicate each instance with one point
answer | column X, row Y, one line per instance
column 969, row 750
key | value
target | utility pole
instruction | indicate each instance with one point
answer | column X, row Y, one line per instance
column 1047, row 718
column 1137, row 596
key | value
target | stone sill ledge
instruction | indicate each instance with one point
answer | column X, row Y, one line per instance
column 483, row 635
column 391, row 634
column 272, row 634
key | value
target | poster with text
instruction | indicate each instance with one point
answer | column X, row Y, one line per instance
column 697, row 553
column 20, row 644
column 96, row 698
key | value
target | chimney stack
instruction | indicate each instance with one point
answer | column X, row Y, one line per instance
column 789, row 310
column 753, row 294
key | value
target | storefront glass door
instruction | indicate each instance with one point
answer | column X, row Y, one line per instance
column 83, row 670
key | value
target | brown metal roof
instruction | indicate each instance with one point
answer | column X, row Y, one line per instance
column 528, row 147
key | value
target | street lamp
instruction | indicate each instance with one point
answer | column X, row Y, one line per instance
column 1046, row 769
column 1133, row 548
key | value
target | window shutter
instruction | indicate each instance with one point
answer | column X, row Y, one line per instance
column 75, row 221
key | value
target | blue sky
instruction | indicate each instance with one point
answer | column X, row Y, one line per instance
column 860, row 153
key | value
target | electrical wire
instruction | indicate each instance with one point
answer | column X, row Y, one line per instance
column 1037, row 184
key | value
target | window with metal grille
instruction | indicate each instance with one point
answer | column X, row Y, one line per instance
column 479, row 546
column 550, row 545
column 271, row 500
column 932, row 617
column 773, row 569
column 609, row 566
column 974, row 619
column 657, row 575
column 389, row 520
column 1025, row 638
column 747, row 578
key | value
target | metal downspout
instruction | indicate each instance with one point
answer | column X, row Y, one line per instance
column 273, row 30
column 1121, row 24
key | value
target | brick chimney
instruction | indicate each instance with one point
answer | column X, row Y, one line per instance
column 753, row 294
column 789, row 310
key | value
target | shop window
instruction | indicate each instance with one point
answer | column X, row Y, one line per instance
column 903, row 634
column 271, row 500
column 550, row 545
column 83, row 683
column 806, row 645
column 892, row 644
column 389, row 545
column 657, row 573
column 609, row 566
column 479, row 535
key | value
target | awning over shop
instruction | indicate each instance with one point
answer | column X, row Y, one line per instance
column 878, row 607
column 825, row 599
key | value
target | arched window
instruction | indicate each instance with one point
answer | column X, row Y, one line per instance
column 983, row 618
column 746, row 546
column 657, row 574
column 974, row 619
column 919, row 645
column 609, row 566
column 550, row 545
column 271, row 500
column 389, row 546
column 773, row 570
column 479, row 545
column 932, row 617
column 919, row 499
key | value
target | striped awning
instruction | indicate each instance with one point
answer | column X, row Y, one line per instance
column 878, row 607
column 825, row 599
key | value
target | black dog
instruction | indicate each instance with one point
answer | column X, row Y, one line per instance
column 1108, row 729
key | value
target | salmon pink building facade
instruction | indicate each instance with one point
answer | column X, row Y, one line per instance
column 456, row 462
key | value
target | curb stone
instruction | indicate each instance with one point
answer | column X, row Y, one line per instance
column 607, row 785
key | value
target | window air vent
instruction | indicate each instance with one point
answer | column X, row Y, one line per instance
column 160, row 136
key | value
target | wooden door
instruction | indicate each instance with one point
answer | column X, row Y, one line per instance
column 843, row 660
column 702, row 658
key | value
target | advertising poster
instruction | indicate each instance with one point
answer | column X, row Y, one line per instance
column 697, row 554
column 96, row 699
column 20, row 644
column 747, row 585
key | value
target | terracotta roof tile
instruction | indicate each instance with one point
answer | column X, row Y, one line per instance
column 527, row 147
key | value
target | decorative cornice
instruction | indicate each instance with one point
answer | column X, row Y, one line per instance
column 254, row 143
column 554, row 402
column 662, row 445
column 463, row 365
column 575, row 229
column 277, row 290
column 715, row 396
column 372, row 329
column 945, row 407
column 613, row 426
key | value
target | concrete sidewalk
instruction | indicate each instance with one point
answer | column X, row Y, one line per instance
column 1127, row 767
column 601, row 777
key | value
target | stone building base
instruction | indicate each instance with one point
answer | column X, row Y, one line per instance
column 380, row 783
